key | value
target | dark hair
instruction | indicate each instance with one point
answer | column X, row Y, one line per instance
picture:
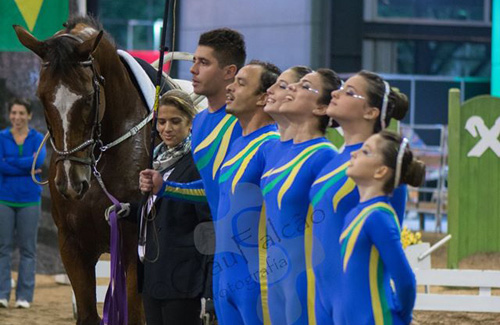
column 412, row 169
column 228, row 46
column 330, row 81
column 181, row 100
column 20, row 101
column 269, row 74
column 397, row 104
column 300, row 71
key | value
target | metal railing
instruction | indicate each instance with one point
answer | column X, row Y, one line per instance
column 436, row 169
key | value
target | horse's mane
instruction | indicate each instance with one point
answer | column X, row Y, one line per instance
column 61, row 50
column 86, row 20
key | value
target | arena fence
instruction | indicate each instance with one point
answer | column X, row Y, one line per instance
column 483, row 301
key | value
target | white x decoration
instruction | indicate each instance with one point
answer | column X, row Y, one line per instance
column 489, row 137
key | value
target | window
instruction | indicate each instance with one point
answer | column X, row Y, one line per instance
column 428, row 11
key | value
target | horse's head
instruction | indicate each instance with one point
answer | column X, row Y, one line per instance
column 70, row 89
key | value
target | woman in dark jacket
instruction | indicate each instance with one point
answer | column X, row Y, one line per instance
column 174, row 275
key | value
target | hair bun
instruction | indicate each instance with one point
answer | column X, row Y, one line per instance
column 415, row 175
column 399, row 103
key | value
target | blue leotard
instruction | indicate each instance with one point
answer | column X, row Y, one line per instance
column 372, row 256
column 332, row 196
column 285, row 188
column 236, row 263
column 213, row 134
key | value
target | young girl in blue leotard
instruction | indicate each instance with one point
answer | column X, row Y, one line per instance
column 363, row 106
column 377, row 283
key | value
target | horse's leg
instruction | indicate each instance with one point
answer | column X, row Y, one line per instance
column 80, row 267
column 135, row 311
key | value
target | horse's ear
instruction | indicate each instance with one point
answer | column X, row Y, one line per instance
column 89, row 46
column 30, row 41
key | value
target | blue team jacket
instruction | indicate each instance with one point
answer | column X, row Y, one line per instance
column 16, row 184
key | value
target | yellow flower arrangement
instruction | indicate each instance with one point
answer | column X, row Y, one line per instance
column 410, row 238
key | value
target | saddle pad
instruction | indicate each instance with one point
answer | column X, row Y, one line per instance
column 145, row 84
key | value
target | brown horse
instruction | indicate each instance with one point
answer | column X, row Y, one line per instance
column 89, row 99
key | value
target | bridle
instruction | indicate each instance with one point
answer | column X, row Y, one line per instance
column 97, row 81
column 95, row 142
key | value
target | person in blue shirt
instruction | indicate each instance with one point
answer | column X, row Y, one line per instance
column 377, row 283
column 287, row 238
column 358, row 107
column 217, row 59
column 20, row 200
column 240, row 199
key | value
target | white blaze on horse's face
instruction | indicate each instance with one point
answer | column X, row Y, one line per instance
column 64, row 101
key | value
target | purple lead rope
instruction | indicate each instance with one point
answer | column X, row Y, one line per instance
column 115, row 303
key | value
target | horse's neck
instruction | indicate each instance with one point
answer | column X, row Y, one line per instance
column 122, row 97
column 124, row 105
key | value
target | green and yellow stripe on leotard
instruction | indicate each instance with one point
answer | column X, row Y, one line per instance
column 291, row 169
column 311, row 279
column 264, row 285
column 240, row 162
column 380, row 307
column 217, row 140
column 350, row 235
column 331, row 179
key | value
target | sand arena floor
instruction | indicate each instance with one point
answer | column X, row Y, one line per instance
column 52, row 302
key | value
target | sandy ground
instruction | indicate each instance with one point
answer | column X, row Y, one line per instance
column 52, row 303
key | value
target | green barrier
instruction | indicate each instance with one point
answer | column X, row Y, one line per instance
column 474, row 176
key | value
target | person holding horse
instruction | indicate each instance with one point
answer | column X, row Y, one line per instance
column 20, row 200
column 174, row 275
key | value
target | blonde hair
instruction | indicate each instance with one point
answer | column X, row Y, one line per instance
column 181, row 100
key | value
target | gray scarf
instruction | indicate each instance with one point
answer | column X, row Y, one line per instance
column 166, row 157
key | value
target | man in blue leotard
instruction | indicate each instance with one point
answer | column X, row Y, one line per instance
column 240, row 201
column 236, row 277
column 217, row 59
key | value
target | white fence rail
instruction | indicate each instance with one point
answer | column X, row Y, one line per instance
column 483, row 301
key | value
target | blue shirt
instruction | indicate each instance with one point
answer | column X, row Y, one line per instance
column 16, row 185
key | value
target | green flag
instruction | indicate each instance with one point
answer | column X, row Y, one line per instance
column 42, row 18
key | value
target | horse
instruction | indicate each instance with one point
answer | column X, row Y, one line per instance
column 90, row 100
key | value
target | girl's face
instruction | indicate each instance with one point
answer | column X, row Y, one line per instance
column 302, row 97
column 366, row 161
column 277, row 92
column 173, row 125
column 19, row 117
column 349, row 102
